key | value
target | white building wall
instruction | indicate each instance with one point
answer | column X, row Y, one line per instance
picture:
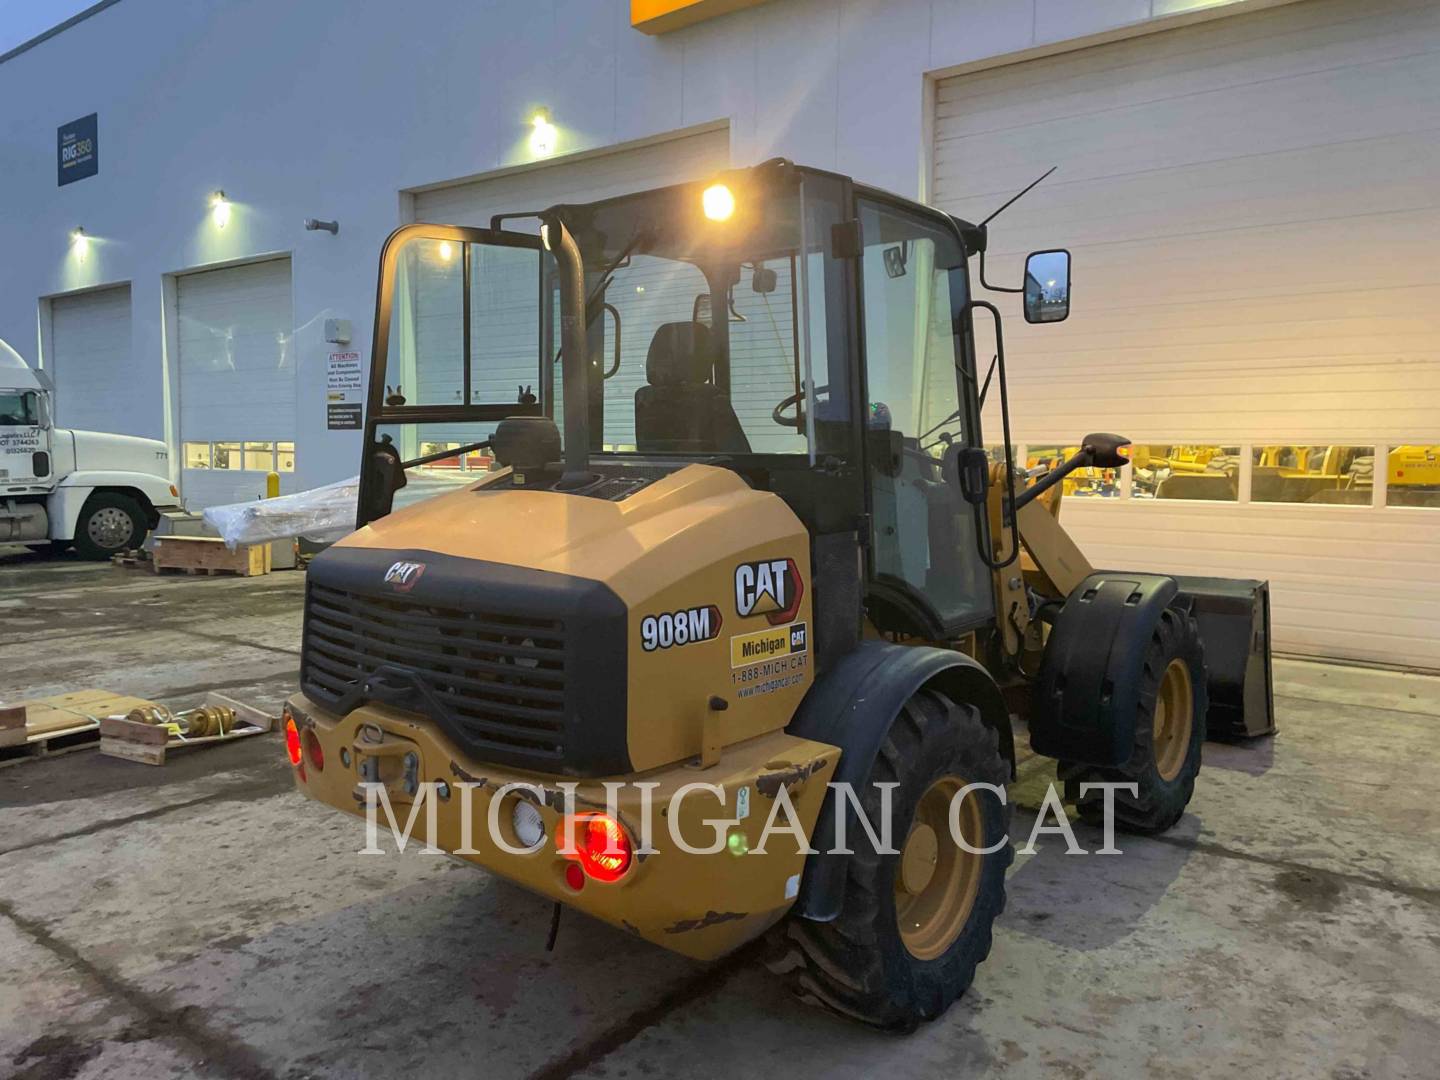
column 328, row 109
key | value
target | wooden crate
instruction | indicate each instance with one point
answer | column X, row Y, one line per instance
column 209, row 555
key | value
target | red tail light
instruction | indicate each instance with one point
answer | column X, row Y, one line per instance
column 602, row 847
column 292, row 741
column 314, row 751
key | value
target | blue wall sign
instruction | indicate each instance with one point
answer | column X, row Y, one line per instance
column 78, row 153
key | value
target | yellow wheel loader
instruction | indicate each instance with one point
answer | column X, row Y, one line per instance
column 684, row 593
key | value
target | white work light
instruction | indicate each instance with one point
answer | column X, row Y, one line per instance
column 528, row 825
column 219, row 209
column 79, row 243
column 718, row 202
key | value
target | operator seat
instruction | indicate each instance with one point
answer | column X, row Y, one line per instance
column 680, row 410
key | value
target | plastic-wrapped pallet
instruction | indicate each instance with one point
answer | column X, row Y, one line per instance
column 322, row 514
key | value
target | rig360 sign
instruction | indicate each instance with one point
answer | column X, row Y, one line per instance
column 78, row 149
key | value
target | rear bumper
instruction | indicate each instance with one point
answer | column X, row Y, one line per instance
column 700, row 904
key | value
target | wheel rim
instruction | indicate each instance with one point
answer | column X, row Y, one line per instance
column 109, row 527
column 937, row 881
column 1174, row 718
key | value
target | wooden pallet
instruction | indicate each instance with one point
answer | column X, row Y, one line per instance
column 148, row 744
column 45, row 727
column 51, row 744
column 208, row 555
column 135, row 557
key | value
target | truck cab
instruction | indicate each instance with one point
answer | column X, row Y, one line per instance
column 100, row 492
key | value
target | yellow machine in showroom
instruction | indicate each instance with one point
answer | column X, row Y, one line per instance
column 688, row 489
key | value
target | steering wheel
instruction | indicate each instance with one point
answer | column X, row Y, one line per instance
column 798, row 420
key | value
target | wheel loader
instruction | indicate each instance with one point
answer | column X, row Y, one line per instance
column 685, row 593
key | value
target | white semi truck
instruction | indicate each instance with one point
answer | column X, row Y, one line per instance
column 100, row 492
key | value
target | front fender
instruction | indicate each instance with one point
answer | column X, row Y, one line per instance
column 68, row 498
column 157, row 489
column 852, row 707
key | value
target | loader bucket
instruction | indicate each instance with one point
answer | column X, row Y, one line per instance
column 1234, row 619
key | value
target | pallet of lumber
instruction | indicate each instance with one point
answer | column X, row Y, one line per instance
column 43, row 727
column 209, row 555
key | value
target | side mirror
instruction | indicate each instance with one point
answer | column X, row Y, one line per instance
column 968, row 468
column 1106, row 451
column 1047, row 286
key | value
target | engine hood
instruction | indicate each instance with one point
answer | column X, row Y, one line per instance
column 118, row 453
column 695, row 516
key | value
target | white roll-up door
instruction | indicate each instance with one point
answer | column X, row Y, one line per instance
column 237, row 381
column 1254, row 213
column 668, row 287
column 90, row 361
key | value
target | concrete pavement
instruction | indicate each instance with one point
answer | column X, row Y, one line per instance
column 202, row 919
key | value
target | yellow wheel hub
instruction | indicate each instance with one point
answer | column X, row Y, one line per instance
column 937, row 881
column 1174, row 719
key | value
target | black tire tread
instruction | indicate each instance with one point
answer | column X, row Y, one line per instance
column 841, row 966
column 1158, row 804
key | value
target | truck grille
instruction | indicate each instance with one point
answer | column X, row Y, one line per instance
column 496, row 681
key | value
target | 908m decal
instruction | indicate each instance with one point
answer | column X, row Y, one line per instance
column 680, row 627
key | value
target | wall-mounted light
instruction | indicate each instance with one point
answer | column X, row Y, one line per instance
column 316, row 225
column 79, row 243
column 542, row 134
column 219, row 209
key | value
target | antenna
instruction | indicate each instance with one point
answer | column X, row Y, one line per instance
column 1017, row 197
column 1005, row 206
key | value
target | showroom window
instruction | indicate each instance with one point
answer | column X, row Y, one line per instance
column 1333, row 474
column 237, row 456
column 1413, row 476
column 1209, row 473
column 1080, row 484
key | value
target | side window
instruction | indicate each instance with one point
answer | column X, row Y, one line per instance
column 427, row 362
column 923, row 538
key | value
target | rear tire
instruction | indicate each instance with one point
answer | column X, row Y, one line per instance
column 915, row 923
column 1169, row 736
column 109, row 524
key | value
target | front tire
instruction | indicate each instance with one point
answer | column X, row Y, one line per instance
column 1169, row 736
column 109, row 524
column 915, row 922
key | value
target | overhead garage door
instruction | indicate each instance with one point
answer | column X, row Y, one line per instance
column 90, row 361
column 762, row 359
column 1253, row 210
column 237, row 381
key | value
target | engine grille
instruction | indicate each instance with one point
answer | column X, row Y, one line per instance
column 496, row 681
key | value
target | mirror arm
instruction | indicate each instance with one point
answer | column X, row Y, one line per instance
column 988, row 557
column 1080, row 459
column 994, row 288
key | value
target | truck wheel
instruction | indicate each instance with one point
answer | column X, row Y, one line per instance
column 915, row 923
column 109, row 523
column 1169, row 735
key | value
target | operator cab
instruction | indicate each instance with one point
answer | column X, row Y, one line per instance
column 809, row 333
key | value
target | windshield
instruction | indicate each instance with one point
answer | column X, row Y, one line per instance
column 701, row 336
column 18, row 408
